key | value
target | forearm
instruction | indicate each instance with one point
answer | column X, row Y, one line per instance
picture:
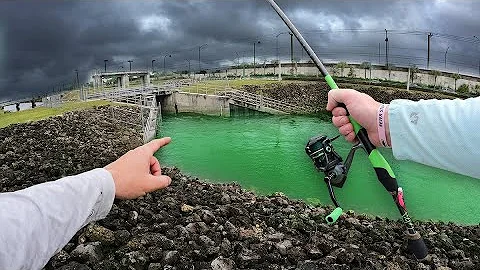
column 438, row 133
column 38, row 221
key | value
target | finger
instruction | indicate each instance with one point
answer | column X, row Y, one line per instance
column 154, row 145
column 339, row 121
column 155, row 168
column 346, row 129
column 157, row 182
column 339, row 111
column 336, row 96
column 351, row 137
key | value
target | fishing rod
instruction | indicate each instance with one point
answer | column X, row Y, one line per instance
column 325, row 159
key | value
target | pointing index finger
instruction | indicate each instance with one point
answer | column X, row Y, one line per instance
column 156, row 144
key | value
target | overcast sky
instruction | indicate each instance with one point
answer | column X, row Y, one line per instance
column 42, row 43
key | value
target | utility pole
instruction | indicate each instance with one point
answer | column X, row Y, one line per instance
column 188, row 67
column 428, row 56
column 153, row 70
column 78, row 81
column 130, row 62
column 165, row 57
column 105, row 61
column 379, row 53
column 238, row 63
column 386, row 47
column 478, row 59
column 291, row 47
column 446, row 58
column 254, row 63
column 199, row 62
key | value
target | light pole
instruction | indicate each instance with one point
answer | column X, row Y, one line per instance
column 165, row 57
column 478, row 59
column 446, row 57
column 153, row 70
column 105, row 61
column 188, row 67
column 276, row 37
column 386, row 47
column 199, row 61
column 238, row 63
column 78, row 82
column 254, row 63
column 130, row 62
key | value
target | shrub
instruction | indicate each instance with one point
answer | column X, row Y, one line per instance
column 463, row 89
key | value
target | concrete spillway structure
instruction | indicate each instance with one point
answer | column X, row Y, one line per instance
column 122, row 78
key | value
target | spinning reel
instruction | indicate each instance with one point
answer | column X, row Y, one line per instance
column 328, row 161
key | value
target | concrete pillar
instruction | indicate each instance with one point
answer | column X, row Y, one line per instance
column 95, row 82
column 125, row 81
column 147, row 79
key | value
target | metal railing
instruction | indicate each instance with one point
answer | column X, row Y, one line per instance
column 259, row 101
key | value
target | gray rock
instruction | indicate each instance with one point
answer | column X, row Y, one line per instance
column 155, row 266
column 136, row 259
column 59, row 259
column 221, row 263
column 87, row 252
column 97, row 233
column 75, row 266
column 275, row 236
column 283, row 246
column 206, row 241
column 133, row 217
column 225, row 198
column 171, row 257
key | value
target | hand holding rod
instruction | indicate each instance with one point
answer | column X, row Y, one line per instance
column 384, row 173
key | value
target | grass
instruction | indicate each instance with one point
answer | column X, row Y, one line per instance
column 39, row 113
column 210, row 87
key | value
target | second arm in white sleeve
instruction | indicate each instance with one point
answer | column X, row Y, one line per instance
column 439, row 133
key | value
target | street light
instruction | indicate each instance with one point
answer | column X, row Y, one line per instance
column 165, row 57
column 199, row 62
column 105, row 61
column 238, row 63
column 130, row 62
column 278, row 58
column 446, row 57
column 254, row 64
column 153, row 70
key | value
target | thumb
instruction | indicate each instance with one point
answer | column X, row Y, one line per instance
column 157, row 182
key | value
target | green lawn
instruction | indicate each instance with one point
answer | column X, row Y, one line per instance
column 39, row 113
column 210, row 87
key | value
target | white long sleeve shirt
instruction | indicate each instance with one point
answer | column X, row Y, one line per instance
column 440, row 133
column 38, row 221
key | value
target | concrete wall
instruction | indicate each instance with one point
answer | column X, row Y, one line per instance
column 196, row 103
column 445, row 80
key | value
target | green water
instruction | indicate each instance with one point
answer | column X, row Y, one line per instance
column 266, row 154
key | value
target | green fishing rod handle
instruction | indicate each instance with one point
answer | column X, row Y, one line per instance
column 382, row 168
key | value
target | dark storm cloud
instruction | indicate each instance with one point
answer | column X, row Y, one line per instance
column 44, row 42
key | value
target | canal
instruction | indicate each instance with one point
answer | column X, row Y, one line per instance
column 266, row 154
